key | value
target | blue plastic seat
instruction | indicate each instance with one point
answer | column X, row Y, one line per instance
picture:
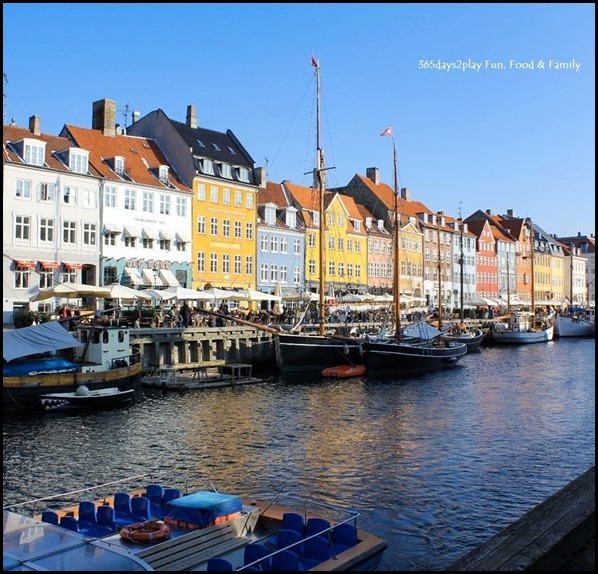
column 344, row 536
column 155, row 494
column 87, row 517
column 316, row 525
column 50, row 516
column 106, row 520
column 286, row 561
column 315, row 551
column 286, row 538
column 69, row 522
column 140, row 509
column 122, row 509
column 290, row 521
column 171, row 494
column 219, row 565
column 255, row 551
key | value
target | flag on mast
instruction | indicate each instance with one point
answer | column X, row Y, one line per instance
column 387, row 132
column 314, row 62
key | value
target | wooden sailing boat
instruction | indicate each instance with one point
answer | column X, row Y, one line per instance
column 522, row 327
column 302, row 352
column 419, row 347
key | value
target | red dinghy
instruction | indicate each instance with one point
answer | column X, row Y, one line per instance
column 343, row 371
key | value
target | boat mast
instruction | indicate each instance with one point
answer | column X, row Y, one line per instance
column 461, row 262
column 320, row 184
column 439, row 274
column 397, row 273
column 531, row 241
column 508, row 287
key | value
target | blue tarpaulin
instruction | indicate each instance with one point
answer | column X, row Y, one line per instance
column 202, row 507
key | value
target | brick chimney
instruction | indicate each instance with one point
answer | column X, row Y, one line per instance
column 260, row 173
column 191, row 116
column 35, row 125
column 104, row 117
column 406, row 193
column 373, row 174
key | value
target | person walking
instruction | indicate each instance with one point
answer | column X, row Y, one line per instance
column 186, row 315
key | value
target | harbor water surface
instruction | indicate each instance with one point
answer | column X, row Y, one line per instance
column 436, row 464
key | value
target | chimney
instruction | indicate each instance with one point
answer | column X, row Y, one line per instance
column 134, row 117
column 35, row 125
column 510, row 212
column 464, row 227
column 191, row 116
column 260, row 173
column 104, row 117
column 406, row 193
column 488, row 212
column 373, row 174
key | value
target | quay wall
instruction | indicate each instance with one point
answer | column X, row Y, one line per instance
column 544, row 539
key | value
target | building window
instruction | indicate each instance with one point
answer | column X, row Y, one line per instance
column 22, row 278
column 69, row 232
column 90, row 233
column 249, row 265
column 147, row 243
column 296, row 247
column 274, row 244
column 283, row 273
column 46, row 277
column 34, row 154
column 249, row 200
column 264, row 272
column 47, row 192
column 46, row 229
column 249, row 231
column 214, row 262
column 130, row 241
column 164, row 244
column 201, row 225
column 244, row 174
column 270, row 213
column 238, row 229
column 238, row 264
column 214, row 194
column 201, row 192
column 110, row 275
column 110, row 196
column 22, row 227
column 226, row 170
column 69, row 195
column 225, row 263
column 226, row 196
column 119, row 165
column 23, row 189
column 163, row 174
column 264, row 243
column 69, row 276
column 147, row 202
column 238, row 198
column 78, row 161
column 214, row 226
column 201, row 261
column 181, row 206
column 110, row 238
column 89, row 199
column 226, row 227
column 207, row 166
column 130, row 199
column 164, row 204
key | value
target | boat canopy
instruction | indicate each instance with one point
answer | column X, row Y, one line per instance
column 43, row 338
column 203, row 507
column 29, row 544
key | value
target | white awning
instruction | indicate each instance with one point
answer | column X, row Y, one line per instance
column 183, row 237
column 132, row 231
column 151, row 278
column 167, row 234
column 169, row 278
column 112, row 228
column 151, row 233
column 133, row 274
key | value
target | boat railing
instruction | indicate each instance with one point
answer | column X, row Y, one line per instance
column 75, row 494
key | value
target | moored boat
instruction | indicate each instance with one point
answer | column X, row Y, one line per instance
column 46, row 359
column 577, row 323
column 187, row 530
column 472, row 337
column 83, row 398
column 521, row 329
column 344, row 371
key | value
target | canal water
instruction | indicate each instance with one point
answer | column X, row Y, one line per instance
column 436, row 464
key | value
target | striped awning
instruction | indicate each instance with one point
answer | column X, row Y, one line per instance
column 72, row 266
column 49, row 265
column 24, row 264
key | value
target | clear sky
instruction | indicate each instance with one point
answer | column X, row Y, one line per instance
column 504, row 133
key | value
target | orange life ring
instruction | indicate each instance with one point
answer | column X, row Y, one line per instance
column 144, row 532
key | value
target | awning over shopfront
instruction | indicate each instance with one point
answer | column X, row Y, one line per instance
column 112, row 228
column 134, row 276
column 151, row 278
column 151, row 233
column 183, row 237
column 48, row 265
column 167, row 234
column 132, row 231
column 169, row 278
column 72, row 266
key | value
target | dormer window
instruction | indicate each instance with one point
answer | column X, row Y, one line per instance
column 226, row 171
column 357, row 225
column 119, row 165
column 270, row 215
column 381, row 224
column 78, row 160
column 163, row 174
column 291, row 218
column 207, row 166
column 34, row 152
column 368, row 222
column 216, row 147
column 244, row 174
column 316, row 217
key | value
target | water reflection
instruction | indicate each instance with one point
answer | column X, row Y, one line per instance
column 436, row 464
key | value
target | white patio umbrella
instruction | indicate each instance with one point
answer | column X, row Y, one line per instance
column 184, row 294
column 118, row 291
column 253, row 295
column 159, row 294
column 69, row 291
column 220, row 294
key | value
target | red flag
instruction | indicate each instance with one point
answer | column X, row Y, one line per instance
column 314, row 62
column 387, row 132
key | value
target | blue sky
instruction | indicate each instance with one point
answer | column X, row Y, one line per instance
column 478, row 138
